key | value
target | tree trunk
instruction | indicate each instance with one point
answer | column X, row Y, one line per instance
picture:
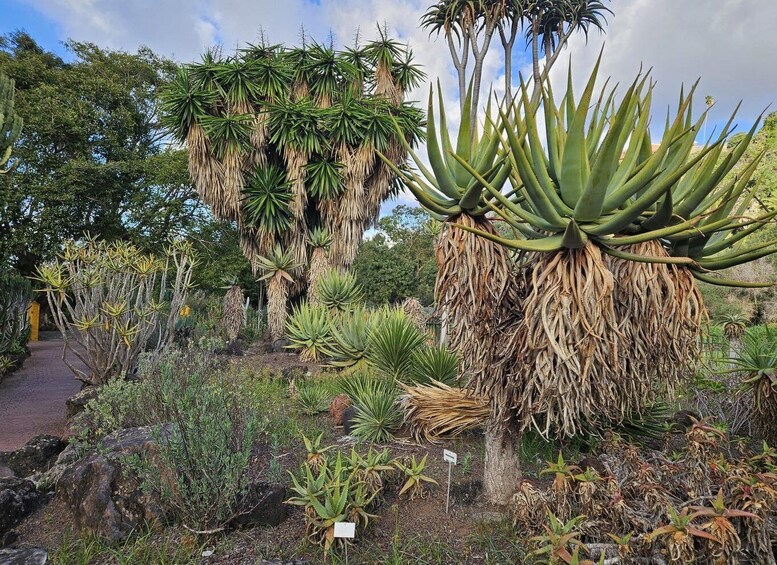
column 502, row 465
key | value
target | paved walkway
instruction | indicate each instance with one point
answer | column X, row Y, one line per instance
column 32, row 399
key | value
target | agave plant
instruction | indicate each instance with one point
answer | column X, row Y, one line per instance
column 756, row 359
column 350, row 332
column 436, row 364
column 338, row 290
column 308, row 329
column 277, row 269
column 391, row 345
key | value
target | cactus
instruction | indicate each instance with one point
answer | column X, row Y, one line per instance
column 15, row 295
column 10, row 122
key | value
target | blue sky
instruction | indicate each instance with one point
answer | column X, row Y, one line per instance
column 731, row 44
column 20, row 15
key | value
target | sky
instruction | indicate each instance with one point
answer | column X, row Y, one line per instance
column 730, row 44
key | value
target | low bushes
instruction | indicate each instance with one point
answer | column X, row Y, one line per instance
column 199, row 468
column 15, row 295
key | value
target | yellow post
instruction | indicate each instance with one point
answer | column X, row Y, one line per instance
column 34, row 317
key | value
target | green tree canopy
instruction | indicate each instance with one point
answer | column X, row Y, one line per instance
column 398, row 261
column 91, row 156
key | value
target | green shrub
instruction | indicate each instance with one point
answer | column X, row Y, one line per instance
column 199, row 468
column 308, row 329
column 119, row 404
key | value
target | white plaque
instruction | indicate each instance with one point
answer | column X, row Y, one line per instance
column 345, row 529
column 449, row 456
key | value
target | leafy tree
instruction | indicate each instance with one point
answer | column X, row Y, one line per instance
column 91, row 156
column 398, row 261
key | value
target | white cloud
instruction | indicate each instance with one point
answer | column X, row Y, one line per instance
column 731, row 44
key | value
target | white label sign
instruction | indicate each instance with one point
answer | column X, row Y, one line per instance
column 345, row 530
column 450, row 456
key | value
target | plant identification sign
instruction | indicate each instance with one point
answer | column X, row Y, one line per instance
column 345, row 530
column 450, row 457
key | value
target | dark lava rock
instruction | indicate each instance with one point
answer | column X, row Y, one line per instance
column 36, row 456
column 348, row 415
column 593, row 463
column 294, row 374
column 103, row 499
column 262, row 505
column 18, row 499
column 279, row 345
column 27, row 556
column 76, row 403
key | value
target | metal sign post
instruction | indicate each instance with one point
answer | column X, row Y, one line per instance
column 452, row 459
column 345, row 530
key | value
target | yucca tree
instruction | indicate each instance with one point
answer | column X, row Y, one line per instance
column 282, row 140
column 232, row 310
column 609, row 234
column 278, row 270
column 320, row 240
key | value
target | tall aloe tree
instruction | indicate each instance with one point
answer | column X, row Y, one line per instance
column 608, row 233
column 282, row 140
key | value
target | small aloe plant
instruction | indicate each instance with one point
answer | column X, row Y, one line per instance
column 315, row 458
column 415, row 479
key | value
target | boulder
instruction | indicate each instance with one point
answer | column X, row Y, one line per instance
column 337, row 408
column 76, row 403
column 36, row 456
column 47, row 480
column 280, row 345
column 348, row 415
column 18, row 499
column 262, row 505
column 26, row 556
column 103, row 499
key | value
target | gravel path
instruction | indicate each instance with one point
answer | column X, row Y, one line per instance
column 32, row 399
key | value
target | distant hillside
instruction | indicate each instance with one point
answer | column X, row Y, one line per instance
column 760, row 305
column 766, row 174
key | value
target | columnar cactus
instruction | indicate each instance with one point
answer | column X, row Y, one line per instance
column 10, row 122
